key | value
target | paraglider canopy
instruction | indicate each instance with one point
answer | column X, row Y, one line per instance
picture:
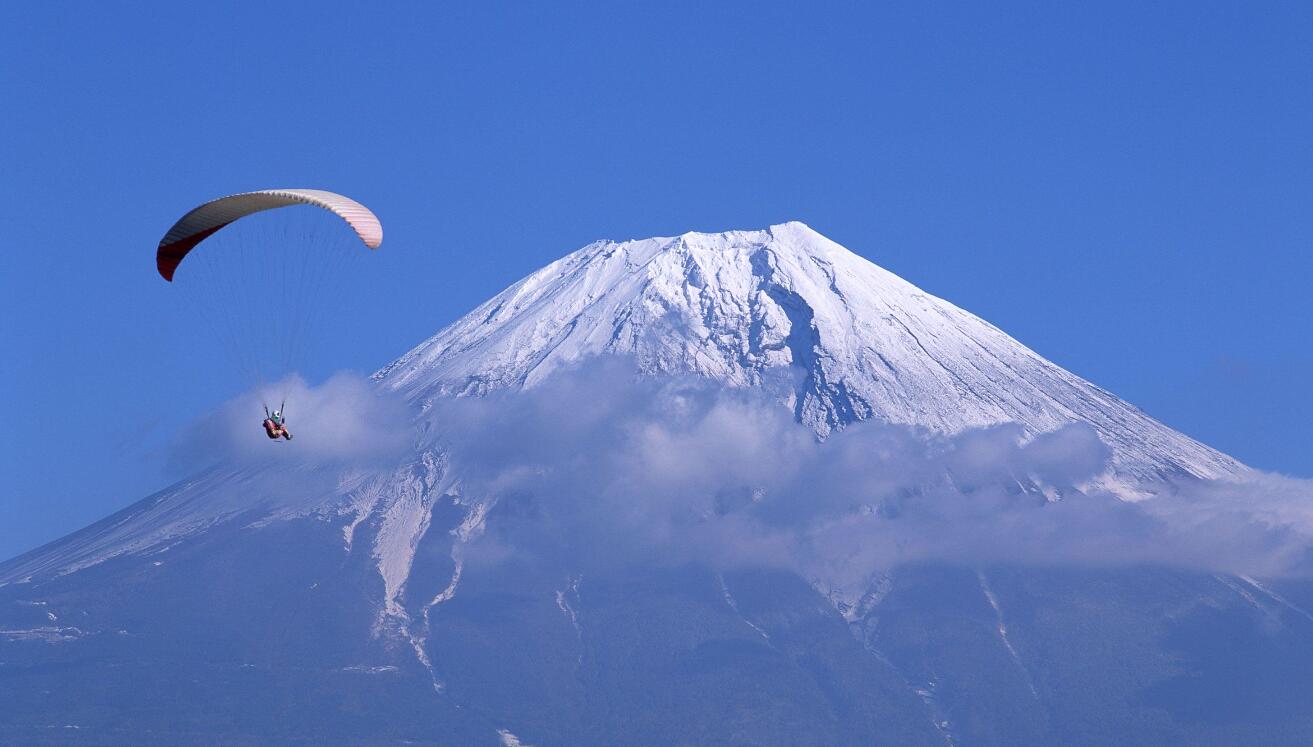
column 267, row 285
column 202, row 222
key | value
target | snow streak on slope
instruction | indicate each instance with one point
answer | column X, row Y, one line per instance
column 839, row 338
column 1003, row 632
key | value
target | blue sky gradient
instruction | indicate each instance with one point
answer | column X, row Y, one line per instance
column 1123, row 187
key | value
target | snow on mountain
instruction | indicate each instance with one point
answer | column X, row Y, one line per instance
column 859, row 342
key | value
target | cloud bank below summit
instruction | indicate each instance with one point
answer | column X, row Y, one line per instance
column 599, row 466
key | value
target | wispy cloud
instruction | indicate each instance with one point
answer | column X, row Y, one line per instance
column 343, row 421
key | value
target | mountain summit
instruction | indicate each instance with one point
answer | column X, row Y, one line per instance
column 858, row 341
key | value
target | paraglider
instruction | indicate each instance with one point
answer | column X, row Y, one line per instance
column 261, row 287
column 275, row 425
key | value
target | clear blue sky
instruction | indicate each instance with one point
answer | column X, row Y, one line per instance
column 1125, row 188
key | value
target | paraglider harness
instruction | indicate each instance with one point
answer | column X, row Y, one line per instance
column 274, row 423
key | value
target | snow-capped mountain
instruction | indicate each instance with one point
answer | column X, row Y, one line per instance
column 835, row 337
column 859, row 342
column 392, row 602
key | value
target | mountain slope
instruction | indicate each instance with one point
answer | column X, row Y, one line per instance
column 856, row 341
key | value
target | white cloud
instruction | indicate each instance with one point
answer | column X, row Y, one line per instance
column 598, row 465
column 345, row 420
